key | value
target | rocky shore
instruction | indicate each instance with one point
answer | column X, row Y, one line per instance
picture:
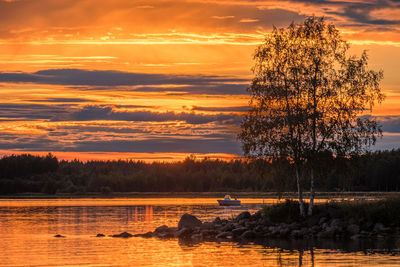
column 247, row 227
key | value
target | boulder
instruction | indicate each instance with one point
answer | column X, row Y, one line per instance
column 322, row 220
column 209, row 233
column 196, row 238
column 284, row 232
column 183, row 233
column 123, row 235
column 224, row 235
column 165, row 235
column 245, row 215
column 147, row 235
column 161, row 229
column 227, row 228
column 57, row 235
column 336, row 224
column 239, row 231
column 217, row 220
column 248, row 234
column 207, row 225
column 188, row 221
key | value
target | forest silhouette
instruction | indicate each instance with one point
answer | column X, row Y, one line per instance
column 374, row 171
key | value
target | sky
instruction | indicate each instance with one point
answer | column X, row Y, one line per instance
column 159, row 80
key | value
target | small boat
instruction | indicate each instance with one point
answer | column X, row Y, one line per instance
column 227, row 201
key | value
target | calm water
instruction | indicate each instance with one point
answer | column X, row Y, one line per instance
column 27, row 228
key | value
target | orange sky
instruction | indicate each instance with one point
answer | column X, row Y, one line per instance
column 158, row 79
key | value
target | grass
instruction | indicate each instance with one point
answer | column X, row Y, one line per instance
column 385, row 211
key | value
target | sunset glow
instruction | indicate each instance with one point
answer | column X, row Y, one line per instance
column 159, row 80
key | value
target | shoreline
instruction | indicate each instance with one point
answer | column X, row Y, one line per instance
column 271, row 195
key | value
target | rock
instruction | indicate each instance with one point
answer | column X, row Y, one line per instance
column 196, row 238
column 258, row 215
column 224, row 235
column 336, row 223
column 380, row 228
column 258, row 228
column 284, row 232
column 100, row 235
column 165, row 235
column 322, row 220
column 57, row 235
column 123, row 235
column 328, row 233
column 183, row 233
column 161, row 229
column 248, row 234
column 217, row 220
column 353, row 229
column 315, row 229
column 296, row 234
column 188, row 221
column 147, row 235
column 239, row 231
column 207, row 225
column 227, row 228
column 244, row 215
column 209, row 233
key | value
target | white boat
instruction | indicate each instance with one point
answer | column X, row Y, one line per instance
column 227, row 201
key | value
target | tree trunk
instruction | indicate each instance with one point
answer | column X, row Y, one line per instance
column 300, row 193
column 312, row 193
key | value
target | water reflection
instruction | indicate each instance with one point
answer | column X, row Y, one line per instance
column 27, row 238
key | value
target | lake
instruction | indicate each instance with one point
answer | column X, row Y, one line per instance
column 27, row 229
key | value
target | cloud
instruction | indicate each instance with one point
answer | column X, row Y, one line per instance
column 222, row 17
column 105, row 112
column 222, row 109
column 108, row 113
column 195, row 84
column 248, row 20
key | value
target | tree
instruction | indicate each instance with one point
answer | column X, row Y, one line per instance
column 308, row 98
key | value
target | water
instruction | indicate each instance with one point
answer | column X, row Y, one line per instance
column 27, row 229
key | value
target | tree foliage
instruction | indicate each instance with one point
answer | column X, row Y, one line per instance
column 308, row 97
column 378, row 171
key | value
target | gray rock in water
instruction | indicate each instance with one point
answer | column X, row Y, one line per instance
column 57, row 235
column 217, row 220
column 146, row 235
column 227, row 227
column 239, row 231
column 161, row 229
column 188, row 221
column 100, row 235
column 248, row 234
column 184, row 232
column 224, row 235
column 208, row 225
column 196, row 238
column 243, row 216
column 123, row 235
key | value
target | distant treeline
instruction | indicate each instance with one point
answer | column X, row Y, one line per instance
column 377, row 171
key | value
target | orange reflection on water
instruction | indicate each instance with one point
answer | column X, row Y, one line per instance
column 27, row 228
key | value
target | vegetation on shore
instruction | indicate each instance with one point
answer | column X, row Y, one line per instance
column 357, row 211
column 374, row 219
column 377, row 171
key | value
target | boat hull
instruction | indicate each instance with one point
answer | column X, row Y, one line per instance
column 229, row 202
